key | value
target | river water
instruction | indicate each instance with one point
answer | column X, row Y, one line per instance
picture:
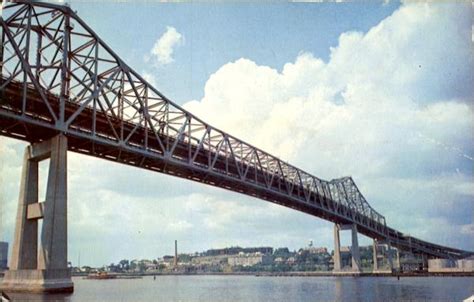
column 251, row 288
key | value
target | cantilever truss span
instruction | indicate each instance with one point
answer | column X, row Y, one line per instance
column 58, row 76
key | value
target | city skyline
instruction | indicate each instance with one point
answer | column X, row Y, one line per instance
column 398, row 124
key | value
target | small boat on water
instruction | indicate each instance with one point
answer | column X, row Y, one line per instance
column 101, row 276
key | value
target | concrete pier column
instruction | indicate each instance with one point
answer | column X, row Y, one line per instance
column 424, row 260
column 44, row 269
column 25, row 242
column 398, row 267
column 337, row 249
column 53, row 251
column 374, row 256
column 356, row 265
column 389, row 256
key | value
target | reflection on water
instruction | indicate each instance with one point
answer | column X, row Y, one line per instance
column 39, row 297
column 250, row 288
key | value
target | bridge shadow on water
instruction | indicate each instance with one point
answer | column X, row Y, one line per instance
column 36, row 297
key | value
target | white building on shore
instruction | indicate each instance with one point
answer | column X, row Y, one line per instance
column 249, row 259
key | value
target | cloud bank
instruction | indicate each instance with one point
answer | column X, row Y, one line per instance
column 392, row 107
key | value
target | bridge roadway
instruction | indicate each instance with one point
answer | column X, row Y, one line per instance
column 32, row 112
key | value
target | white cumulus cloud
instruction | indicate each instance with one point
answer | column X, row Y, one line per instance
column 163, row 49
column 391, row 107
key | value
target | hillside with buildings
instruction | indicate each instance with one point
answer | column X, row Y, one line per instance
column 254, row 259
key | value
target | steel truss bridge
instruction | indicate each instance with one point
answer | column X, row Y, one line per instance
column 59, row 76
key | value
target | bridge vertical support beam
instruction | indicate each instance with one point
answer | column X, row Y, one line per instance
column 398, row 267
column 389, row 255
column 374, row 256
column 24, row 250
column 53, row 251
column 2, row 38
column 46, row 270
column 356, row 267
column 337, row 249
column 424, row 261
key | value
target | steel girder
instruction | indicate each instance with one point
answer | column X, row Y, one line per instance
column 57, row 75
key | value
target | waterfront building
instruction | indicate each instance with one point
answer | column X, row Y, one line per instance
column 313, row 249
column 249, row 259
column 210, row 260
column 411, row 264
column 279, row 260
column 167, row 259
column 317, row 250
column 451, row 266
column 236, row 250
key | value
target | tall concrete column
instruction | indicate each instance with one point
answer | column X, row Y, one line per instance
column 424, row 260
column 356, row 266
column 337, row 248
column 53, row 251
column 398, row 260
column 25, row 242
column 374, row 254
column 389, row 255
column 44, row 270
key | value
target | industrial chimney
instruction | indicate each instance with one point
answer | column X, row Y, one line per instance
column 176, row 254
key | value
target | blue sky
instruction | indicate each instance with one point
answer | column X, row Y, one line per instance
column 381, row 92
column 214, row 34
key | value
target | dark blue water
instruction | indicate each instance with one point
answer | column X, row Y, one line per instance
column 250, row 288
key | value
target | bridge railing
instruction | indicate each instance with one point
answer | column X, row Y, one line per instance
column 81, row 85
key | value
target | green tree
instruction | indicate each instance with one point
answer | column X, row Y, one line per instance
column 124, row 264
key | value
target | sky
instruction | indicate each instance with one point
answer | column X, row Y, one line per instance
column 378, row 91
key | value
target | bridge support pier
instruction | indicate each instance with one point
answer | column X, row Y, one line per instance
column 389, row 255
column 399, row 266
column 374, row 256
column 356, row 267
column 424, row 260
column 394, row 265
column 337, row 249
column 41, row 266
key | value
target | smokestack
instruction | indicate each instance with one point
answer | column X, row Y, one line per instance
column 175, row 253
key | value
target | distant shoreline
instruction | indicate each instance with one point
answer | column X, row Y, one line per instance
column 291, row 274
column 296, row 274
